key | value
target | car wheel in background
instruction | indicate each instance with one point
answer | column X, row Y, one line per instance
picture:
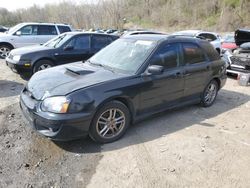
column 110, row 122
column 4, row 51
column 209, row 94
column 42, row 65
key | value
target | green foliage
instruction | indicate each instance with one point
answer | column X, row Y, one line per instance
column 212, row 20
column 232, row 3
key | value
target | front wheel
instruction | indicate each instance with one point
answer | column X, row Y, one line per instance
column 4, row 51
column 110, row 122
column 209, row 94
column 42, row 65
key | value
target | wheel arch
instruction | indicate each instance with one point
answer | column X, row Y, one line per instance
column 124, row 100
column 218, row 82
column 7, row 44
column 40, row 59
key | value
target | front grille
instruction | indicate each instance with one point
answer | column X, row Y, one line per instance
column 241, row 61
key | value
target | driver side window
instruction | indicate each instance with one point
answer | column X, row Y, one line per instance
column 29, row 30
column 167, row 56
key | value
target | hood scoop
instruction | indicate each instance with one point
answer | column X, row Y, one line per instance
column 77, row 70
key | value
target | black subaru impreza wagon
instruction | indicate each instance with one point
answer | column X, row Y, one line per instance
column 134, row 77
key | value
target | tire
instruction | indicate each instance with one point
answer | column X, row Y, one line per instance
column 104, row 128
column 41, row 65
column 4, row 51
column 209, row 94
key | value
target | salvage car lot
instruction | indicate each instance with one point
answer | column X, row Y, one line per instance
column 192, row 146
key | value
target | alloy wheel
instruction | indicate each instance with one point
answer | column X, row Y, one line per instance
column 44, row 66
column 110, row 123
column 210, row 93
column 4, row 52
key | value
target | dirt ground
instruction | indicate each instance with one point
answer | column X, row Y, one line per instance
column 187, row 147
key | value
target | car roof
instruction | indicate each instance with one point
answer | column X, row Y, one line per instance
column 159, row 38
column 88, row 33
column 38, row 23
column 193, row 32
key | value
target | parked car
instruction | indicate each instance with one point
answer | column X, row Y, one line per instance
column 239, row 60
column 228, row 42
column 213, row 38
column 66, row 48
column 3, row 29
column 26, row 34
column 134, row 77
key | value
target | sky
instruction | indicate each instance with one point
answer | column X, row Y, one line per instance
column 12, row 5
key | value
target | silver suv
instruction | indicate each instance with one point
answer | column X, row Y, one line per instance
column 25, row 34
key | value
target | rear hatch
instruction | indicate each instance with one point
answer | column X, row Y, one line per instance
column 241, row 36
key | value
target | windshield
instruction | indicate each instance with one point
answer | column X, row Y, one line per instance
column 58, row 41
column 124, row 55
column 15, row 28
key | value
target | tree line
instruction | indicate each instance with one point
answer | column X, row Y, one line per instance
column 168, row 15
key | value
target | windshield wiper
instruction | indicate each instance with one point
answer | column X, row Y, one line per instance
column 102, row 65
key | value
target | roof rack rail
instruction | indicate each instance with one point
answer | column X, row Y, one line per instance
column 199, row 37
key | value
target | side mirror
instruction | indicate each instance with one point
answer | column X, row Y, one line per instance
column 155, row 69
column 18, row 33
column 68, row 48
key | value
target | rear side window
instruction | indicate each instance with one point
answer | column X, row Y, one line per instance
column 63, row 29
column 47, row 30
column 210, row 51
column 193, row 53
column 99, row 42
column 167, row 56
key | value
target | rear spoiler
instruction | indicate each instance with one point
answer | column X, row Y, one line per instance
column 241, row 36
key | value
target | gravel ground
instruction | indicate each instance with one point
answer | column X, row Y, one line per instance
column 187, row 147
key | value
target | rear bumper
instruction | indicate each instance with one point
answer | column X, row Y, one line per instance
column 62, row 127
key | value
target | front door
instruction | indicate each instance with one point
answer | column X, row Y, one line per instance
column 166, row 89
column 77, row 49
column 28, row 36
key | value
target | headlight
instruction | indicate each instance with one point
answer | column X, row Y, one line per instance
column 55, row 105
column 16, row 57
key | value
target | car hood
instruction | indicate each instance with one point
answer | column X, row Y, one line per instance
column 62, row 80
column 30, row 49
column 4, row 36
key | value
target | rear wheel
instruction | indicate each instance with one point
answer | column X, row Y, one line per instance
column 209, row 94
column 42, row 65
column 4, row 51
column 110, row 122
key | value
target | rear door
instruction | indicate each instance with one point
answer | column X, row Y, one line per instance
column 197, row 69
column 76, row 49
column 45, row 33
